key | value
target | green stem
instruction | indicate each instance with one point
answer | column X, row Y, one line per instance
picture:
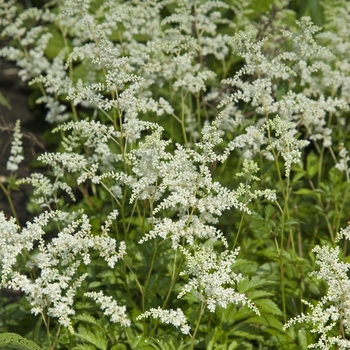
column 285, row 194
column 324, row 212
column 239, row 231
column 9, row 199
column 56, row 338
column 201, row 312
column 320, row 167
column 282, row 282
column 47, row 326
column 149, row 274
column 174, row 277
column 183, row 119
column 199, row 122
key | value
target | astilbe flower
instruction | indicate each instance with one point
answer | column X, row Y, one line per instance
column 334, row 36
column 274, row 90
column 331, row 315
column 174, row 317
column 16, row 149
column 342, row 164
column 15, row 25
column 55, row 264
column 95, row 137
column 285, row 142
column 45, row 191
column 181, row 183
column 116, row 313
column 211, row 278
column 190, row 192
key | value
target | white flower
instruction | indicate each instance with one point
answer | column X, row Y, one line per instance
column 16, row 149
column 116, row 313
column 57, row 262
column 174, row 317
column 212, row 279
column 332, row 312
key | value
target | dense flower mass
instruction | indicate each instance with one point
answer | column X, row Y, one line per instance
column 199, row 154
column 333, row 310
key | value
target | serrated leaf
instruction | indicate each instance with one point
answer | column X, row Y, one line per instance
column 270, row 321
column 256, row 294
column 92, row 337
column 232, row 315
column 89, row 319
column 255, row 282
column 267, row 306
column 84, row 347
column 13, row 341
column 248, row 335
column 212, row 338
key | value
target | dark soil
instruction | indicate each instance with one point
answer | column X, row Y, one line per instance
column 16, row 93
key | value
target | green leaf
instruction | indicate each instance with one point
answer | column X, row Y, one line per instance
column 310, row 193
column 257, row 294
column 255, row 282
column 119, row 347
column 260, row 7
column 311, row 165
column 335, row 177
column 143, row 345
column 248, row 332
column 55, row 44
column 4, row 102
column 13, row 341
column 93, row 337
column 267, row 306
column 95, row 284
column 89, row 319
column 84, row 347
column 269, row 210
column 287, row 255
column 234, row 345
column 212, row 338
column 302, row 339
column 270, row 321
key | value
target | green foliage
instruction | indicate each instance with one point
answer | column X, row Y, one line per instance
column 12, row 341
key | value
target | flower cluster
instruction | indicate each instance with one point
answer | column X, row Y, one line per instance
column 55, row 265
column 174, row 317
column 111, row 308
column 332, row 312
column 213, row 279
column 16, row 149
